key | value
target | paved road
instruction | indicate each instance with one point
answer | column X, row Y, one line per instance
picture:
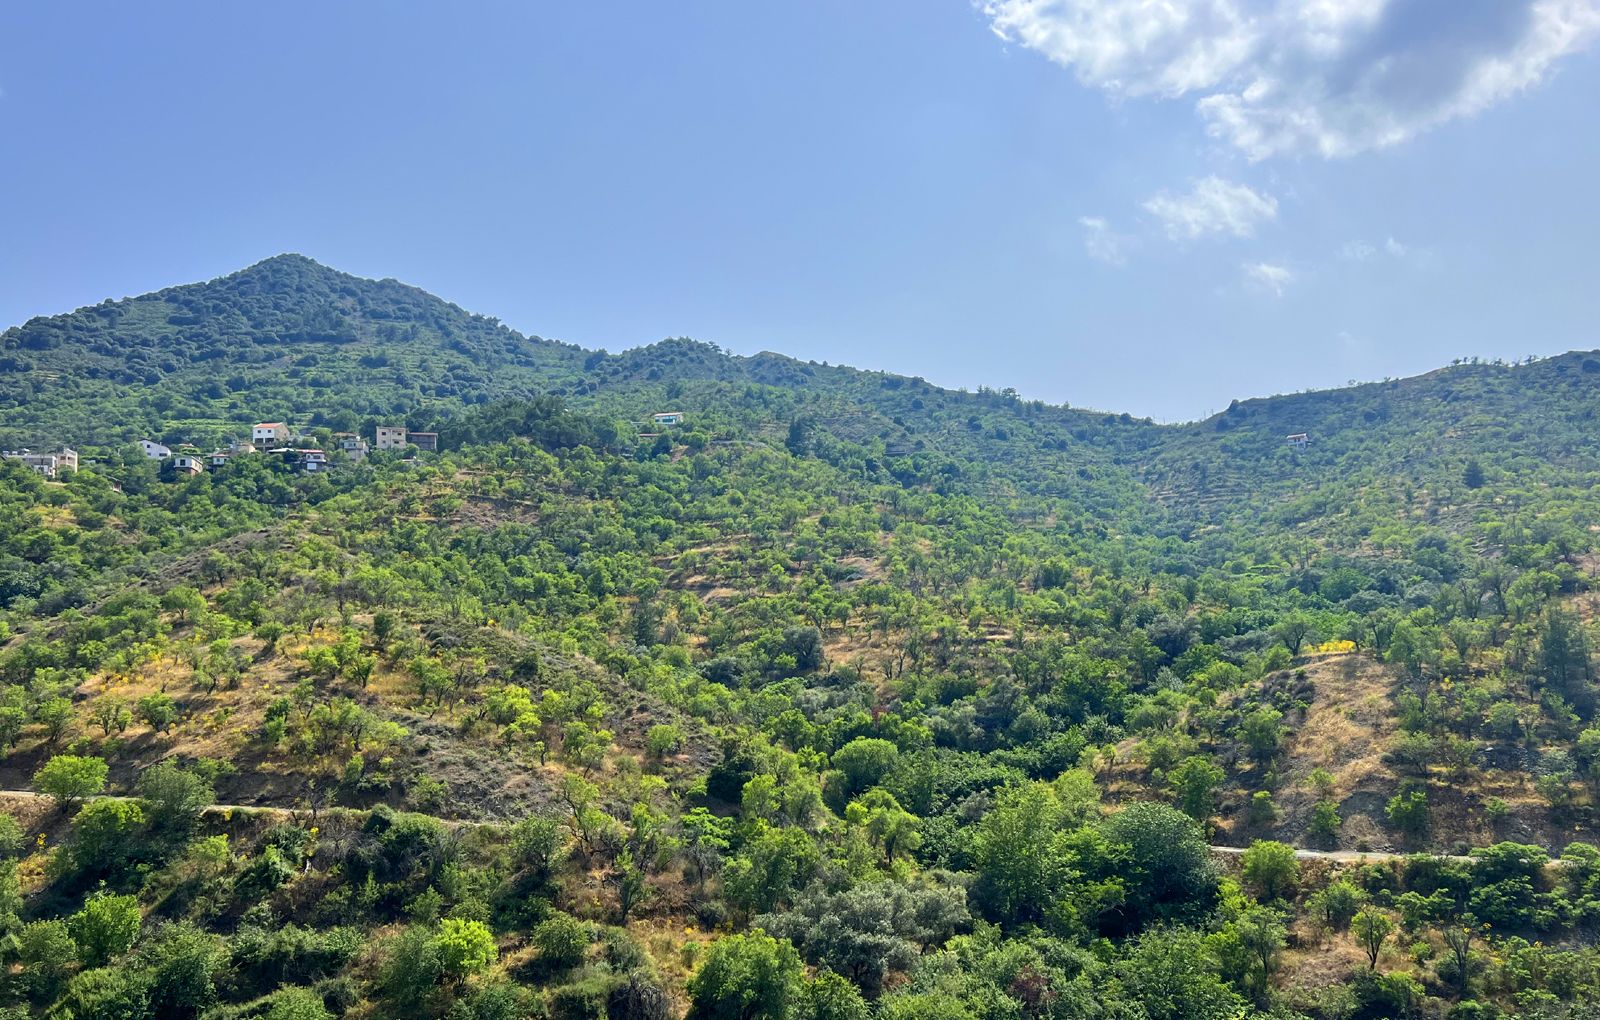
column 1340, row 856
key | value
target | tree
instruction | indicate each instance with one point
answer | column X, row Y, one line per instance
column 1294, row 631
column 55, row 715
column 69, row 778
column 411, row 970
column 1408, row 812
column 1325, row 821
column 663, row 739
column 464, row 948
column 747, row 977
column 180, row 964
column 870, row 930
column 1261, row 936
column 106, row 927
column 1194, row 783
column 174, row 798
column 1165, row 863
column 1564, row 660
column 1458, row 939
column 1263, row 732
column 1472, row 475
column 106, row 993
column 773, row 863
column 1175, row 975
column 1336, row 903
column 628, row 877
column 111, row 714
column 1019, row 874
column 1271, row 868
column 106, row 836
column 831, row 997
column 891, row 828
column 13, row 721
column 1372, row 928
column 47, row 953
column 157, row 711
column 865, row 762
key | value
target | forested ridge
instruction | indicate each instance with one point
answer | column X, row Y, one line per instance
column 847, row 696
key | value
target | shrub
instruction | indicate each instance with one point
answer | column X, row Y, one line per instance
column 562, row 941
column 106, row 927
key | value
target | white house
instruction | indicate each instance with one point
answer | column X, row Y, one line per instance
column 391, row 437
column 269, row 434
column 668, row 418
column 354, row 447
column 47, row 464
column 1299, row 440
column 186, row 464
column 219, row 458
column 310, row 460
column 40, row 463
column 155, row 451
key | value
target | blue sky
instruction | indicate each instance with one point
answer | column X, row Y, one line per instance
column 1144, row 208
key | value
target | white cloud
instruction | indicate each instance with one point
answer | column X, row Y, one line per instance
column 1213, row 206
column 1103, row 243
column 1361, row 251
column 1268, row 276
column 1330, row 77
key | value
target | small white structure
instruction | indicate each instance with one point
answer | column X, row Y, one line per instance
column 1299, row 440
column 269, row 435
column 353, row 446
column 310, row 460
column 391, row 437
column 668, row 418
column 185, row 464
column 155, row 451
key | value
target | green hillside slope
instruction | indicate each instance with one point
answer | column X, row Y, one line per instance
column 849, row 696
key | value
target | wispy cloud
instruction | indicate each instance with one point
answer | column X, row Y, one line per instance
column 1288, row 77
column 1361, row 251
column 1103, row 243
column 1212, row 206
column 1268, row 276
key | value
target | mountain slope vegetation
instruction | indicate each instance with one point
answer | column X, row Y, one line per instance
column 849, row 696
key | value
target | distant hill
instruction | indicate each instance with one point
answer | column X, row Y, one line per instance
column 290, row 338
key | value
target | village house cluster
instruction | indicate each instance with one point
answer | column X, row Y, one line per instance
column 277, row 439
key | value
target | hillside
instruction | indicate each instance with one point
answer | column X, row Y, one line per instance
column 848, row 696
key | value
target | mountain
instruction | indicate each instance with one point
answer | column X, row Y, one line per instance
column 846, row 695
